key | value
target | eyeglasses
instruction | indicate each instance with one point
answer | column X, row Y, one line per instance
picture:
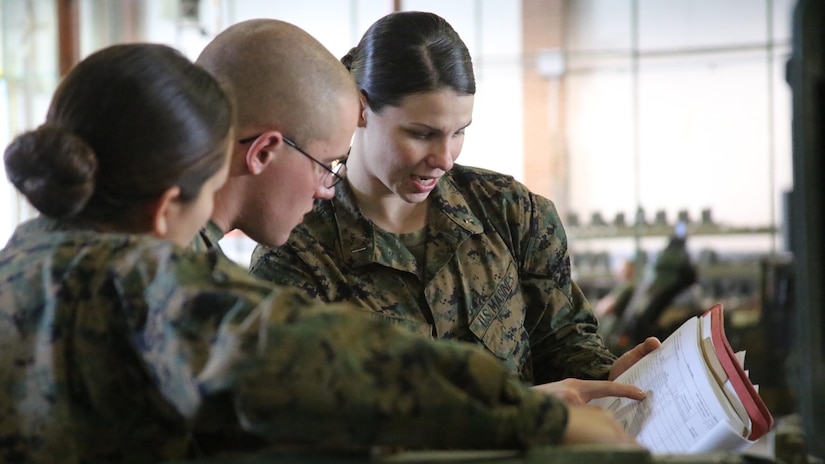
column 334, row 173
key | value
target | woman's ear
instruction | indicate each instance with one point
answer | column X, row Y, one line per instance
column 161, row 209
column 261, row 152
column 362, row 114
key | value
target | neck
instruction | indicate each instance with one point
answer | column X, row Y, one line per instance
column 392, row 214
column 382, row 206
column 227, row 207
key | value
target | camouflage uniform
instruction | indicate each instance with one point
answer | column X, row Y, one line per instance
column 208, row 238
column 123, row 348
column 496, row 273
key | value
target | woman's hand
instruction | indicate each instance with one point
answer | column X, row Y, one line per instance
column 633, row 356
column 579, row 392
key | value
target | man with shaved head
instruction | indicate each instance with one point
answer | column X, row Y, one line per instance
column 297, row 108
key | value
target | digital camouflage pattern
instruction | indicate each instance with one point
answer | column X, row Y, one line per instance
column 208, row 238
column 119, row 348
column 496, row 273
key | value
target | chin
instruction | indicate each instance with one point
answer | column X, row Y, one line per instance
column 415, row 197
column 279, row 241
column 273, row 240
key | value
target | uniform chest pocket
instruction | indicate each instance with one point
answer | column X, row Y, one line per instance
column 499, row 323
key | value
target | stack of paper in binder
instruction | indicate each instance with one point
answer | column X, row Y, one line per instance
column 699, row 397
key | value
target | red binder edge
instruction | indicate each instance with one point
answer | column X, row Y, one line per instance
column 759, row 415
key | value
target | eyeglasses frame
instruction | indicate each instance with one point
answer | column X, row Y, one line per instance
column 333, row 170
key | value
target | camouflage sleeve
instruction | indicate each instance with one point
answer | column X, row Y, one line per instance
column 303, row 374
column 326, row 376
column 561, row 323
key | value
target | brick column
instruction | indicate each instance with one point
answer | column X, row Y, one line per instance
column 543, row 42
column 68, row 35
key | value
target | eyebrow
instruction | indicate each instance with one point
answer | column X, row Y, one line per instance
column 436, row 129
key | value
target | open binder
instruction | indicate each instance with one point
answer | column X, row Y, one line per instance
column 700, row 398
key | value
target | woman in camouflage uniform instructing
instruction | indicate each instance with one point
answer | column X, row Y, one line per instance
column 445, row 250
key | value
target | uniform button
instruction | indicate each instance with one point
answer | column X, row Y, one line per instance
column 219, row 277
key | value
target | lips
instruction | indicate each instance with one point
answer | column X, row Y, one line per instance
column 423, row 184
column 425, row 180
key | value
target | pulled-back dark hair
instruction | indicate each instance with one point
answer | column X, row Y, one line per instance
column 407, row 53
column 127, row 123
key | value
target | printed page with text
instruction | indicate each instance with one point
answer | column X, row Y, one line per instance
column 686, row 410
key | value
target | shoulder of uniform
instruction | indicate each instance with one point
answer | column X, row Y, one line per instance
column 483, row 183
column 479, row 177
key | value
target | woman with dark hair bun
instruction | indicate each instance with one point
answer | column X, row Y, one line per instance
column 117, row 344
column 123, row 172
column 409, row 53
column 127, row 128
column 447, row 251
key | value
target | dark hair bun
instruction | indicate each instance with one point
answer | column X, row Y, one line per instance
column 53, row 168
column 347, row 59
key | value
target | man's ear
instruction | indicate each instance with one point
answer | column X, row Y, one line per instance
column 362, row 114
column 160, row 211
column 262, row 151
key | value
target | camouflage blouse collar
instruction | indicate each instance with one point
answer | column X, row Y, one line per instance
column 450, row 202
column 209, row 237
column 53, row 231
column 359, row 234
column 39, row 226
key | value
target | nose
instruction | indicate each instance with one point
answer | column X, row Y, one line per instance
column 324, row 193
column 441, row 157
